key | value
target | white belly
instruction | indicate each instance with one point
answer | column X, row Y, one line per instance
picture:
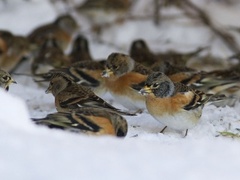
column 129, row 103
column 181, row 121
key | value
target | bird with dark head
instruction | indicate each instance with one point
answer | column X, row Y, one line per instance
column 141, row 53
column 175, row 105
column 122, row 73
column 80, row 50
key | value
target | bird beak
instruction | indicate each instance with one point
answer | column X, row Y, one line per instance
column 9, row 82
column 49, row 90
column 145, row 90
column 107, row 73
column 13, row 81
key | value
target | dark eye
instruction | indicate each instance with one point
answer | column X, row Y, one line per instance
column 5, row 78
column 115, row 67
column 108, row 66
column 155, row 85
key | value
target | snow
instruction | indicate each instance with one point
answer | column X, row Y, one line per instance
column 32, row 152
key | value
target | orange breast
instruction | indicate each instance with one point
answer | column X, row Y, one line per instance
column 105, row 124
column 170, row 105
column 122, row 84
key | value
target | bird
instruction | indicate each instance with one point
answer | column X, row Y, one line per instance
column 140, row 52
column 62, row 29
column 13, row 49
column 49, row 56
column 175, row 105
column 5, row 80
column 122, row 73
column 87, row 120
column 80, row 50
column 70, row 96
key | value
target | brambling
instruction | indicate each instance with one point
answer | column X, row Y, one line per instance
column 121, row 75
column 173, row 104
column 90, row 121
column 169, row 69
column 141, row 53
column 50, row 56
column 13, row 49
column 179, row 59
column 103, row 12
column 62, row 29
column 5, row 80
column 70, row 96
column 208, row 82
column 80, row 50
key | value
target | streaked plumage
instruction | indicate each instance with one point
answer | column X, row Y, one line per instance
column 70, row 96
column 173, row 104
column 121, row 75
column 86, row 73
column 90, row 121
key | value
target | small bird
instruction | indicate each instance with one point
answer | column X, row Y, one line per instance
column 90, row 121
column 70, row 96
column 5, row 80
column 122, row 73
column 62, row 29
column 80, row 50
column 175, row 105
column 49, row 56
column 13, row 49
column 141, row 53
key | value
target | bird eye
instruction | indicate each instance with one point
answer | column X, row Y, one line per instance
column 114, row 67
column 155, row 85
column 5, row 78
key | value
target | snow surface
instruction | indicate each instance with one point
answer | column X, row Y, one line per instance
column 32, row 152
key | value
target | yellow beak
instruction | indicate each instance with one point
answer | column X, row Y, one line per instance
column 49, row 90
column 107, row 73
column 145, row 90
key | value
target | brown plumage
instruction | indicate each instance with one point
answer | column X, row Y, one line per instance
column 90, row 121
column 80, row 50
column 173, row 104
column 62, row 29
column 13, row 49
column 49, row 56
column 121, row 75
column 69, row 95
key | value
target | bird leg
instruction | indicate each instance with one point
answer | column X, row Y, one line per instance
column 163, row 129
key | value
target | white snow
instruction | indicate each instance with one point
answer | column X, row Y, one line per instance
column 31, row 152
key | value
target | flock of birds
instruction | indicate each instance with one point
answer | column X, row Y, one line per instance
column 160, row 84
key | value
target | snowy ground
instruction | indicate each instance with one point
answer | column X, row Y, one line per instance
column 32, row 152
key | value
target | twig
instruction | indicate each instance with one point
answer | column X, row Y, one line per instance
column 202, row 15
